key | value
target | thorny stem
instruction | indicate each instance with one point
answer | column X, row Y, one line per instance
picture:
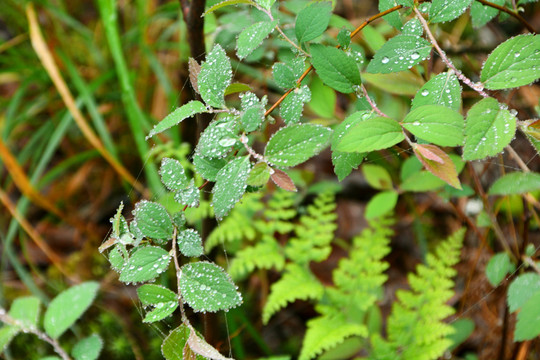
column 446, row 60
column 5, row 318
column 178, row 275
column 509, row 12
column 308, row 70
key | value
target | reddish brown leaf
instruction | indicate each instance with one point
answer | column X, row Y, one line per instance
column 281, row 179
column 429, row 155
column 194, row 70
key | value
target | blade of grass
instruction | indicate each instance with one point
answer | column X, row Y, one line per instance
column 135, row 115
column 47, row 60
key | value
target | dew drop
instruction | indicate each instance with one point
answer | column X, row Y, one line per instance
column 425, row 92
column 385, row 60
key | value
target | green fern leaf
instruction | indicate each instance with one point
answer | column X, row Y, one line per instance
column 298, row 283
column 265, row 255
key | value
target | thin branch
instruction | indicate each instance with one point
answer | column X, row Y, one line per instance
column 178, row 275
column 5, row 318
column 269, row 13
column 517, row 159
column 509, row 12
column 371, row 102
column 530, row 261
column 478, row 88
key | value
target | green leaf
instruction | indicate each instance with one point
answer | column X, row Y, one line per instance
column 153, row 220
column 521, row 290
column 421, row 181
column 145, row 264
column 335, row 68
column 285, row 75
column 312, row 21
column 177, row 116
column 253, row 109
column 189, row 196
column 488, row 129
column 226, row 3
column 292, row 145
column 463, row 329
column 393, row 18
column 323, row 99
column 207, row 287
column 381, row 204
column 399, row 83
column 437, row 124
column 173, row 175
column 377, row 177
column 516, row 183
column 190, row 243
column 151, row 294
column 498, row 267
column 259, row 175
column 528, row 326
column 230, row 185
column 217, row 139
column 267, row 4
column 372, row 134
column 481, row 14
column 291, row 108
column 252, row 37
column 215, row 76
column 67, row 307
column 172, row 347
column 513, row 63
column 399, row 53
column 446, row 10
column 117, row 258
column 344, row 38
column 413, row 27
column 26, row 311
column 208, row 168
column 235, row 88
column 443, row 89
column 88, row 348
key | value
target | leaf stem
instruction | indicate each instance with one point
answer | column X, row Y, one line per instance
column 269, row 13
column 178, row 275
column 371, row 102
column 478, row 88
column 509, row 12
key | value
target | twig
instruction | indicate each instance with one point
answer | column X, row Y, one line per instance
column 5, row 318
column 269, row 13
column 253, row 153
column 530, row 261
column 509, row 12
column 517, row 159
column 371, row 102
column 178, row 275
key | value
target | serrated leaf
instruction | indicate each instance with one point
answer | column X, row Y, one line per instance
column 335, row 68
column 194, row 70
column 177, row 116
column 521, row 289
column 151, row 294
column 281, row 179
column 190, row 243
column 215, row 76
column 438, row 163
column 344, row 38
column 295, row 144
column 259, row 175
column 323, row 99
column 199, row 346
column 382, row 203
column 399, row 53
column 230, row 185
column 173, row 345
column 393, row 18
column 207, row 287
column 284, row 75
column 413, row 27
column 253, row 111
column 88, row 348
column 372, row 134
column 189, row 196
column 527, row 326
column 160, row 311
column 145, row 264
column 291, row 108
column 437, row 124
column 515, row 183
column 153, row 220
column 498, row 267
column 235, row 88
column 481, row 14
column 267, row 4
column 488, row 129
column 399, row 83
column 252, row 37
column 116, row 257
column 67, row 307
column 513, row 63
column 217, row 139
column 377, row 177
column 227, row 3
column 173, row 175
column 208, row 168
column 421, row 181
column 446, row 10
column 312, row 21
column 443, row 89
column 25, row 310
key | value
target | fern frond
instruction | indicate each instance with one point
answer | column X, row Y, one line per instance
column 266, row 254
column 279, row 212
column 297, row 283
column 235, row 228
column 415, row 327
column 315, row 231
column 326, row 332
